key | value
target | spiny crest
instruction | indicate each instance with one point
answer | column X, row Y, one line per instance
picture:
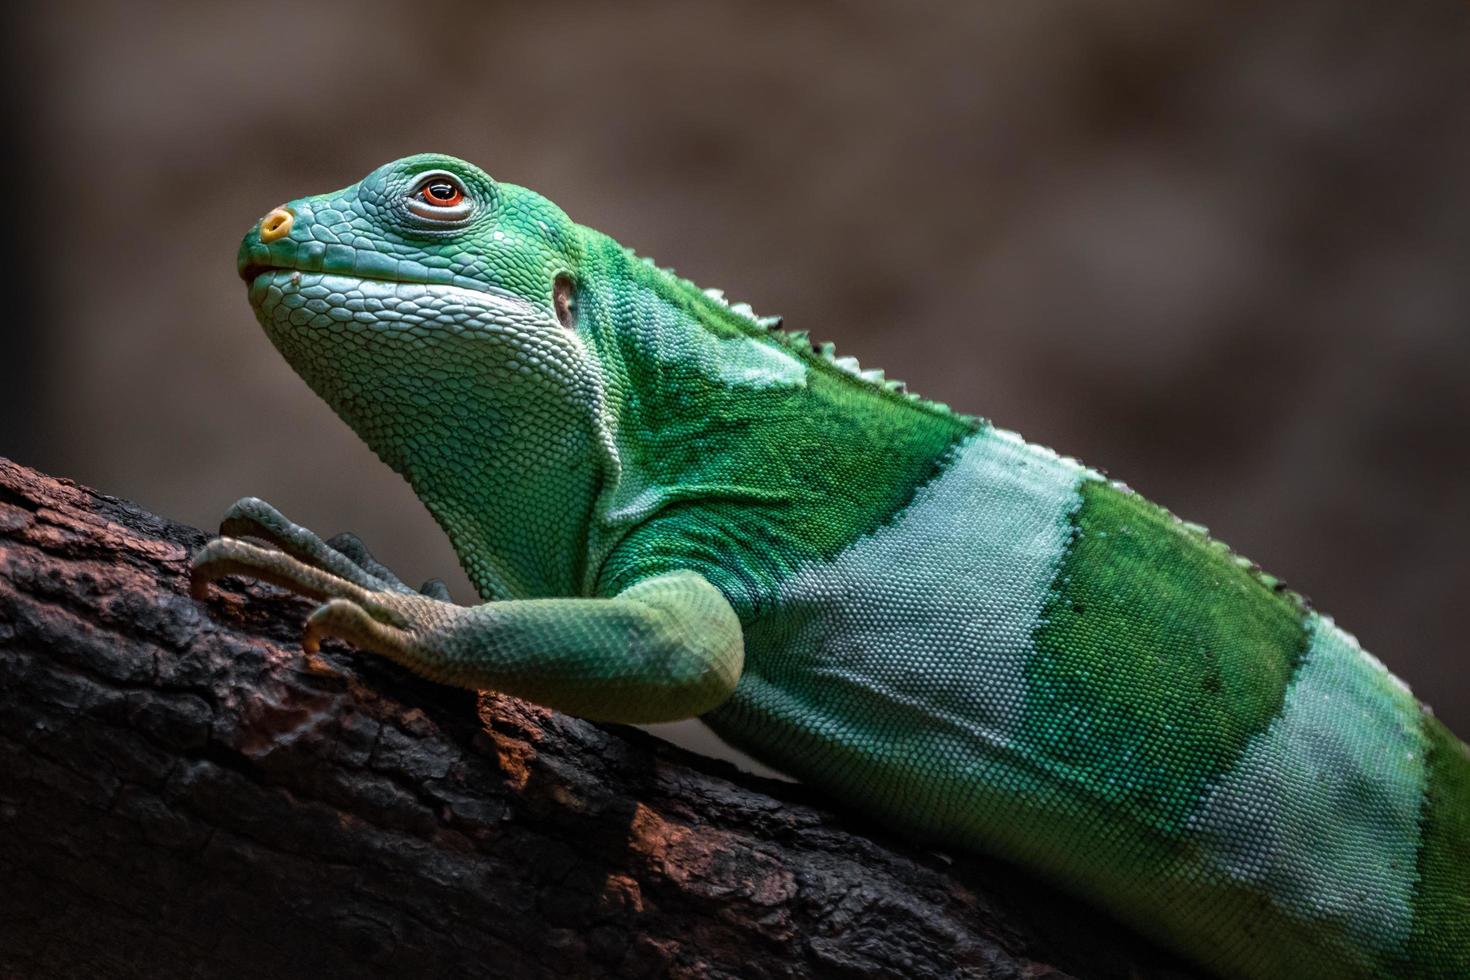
column 1202, row 534
column 800, row 342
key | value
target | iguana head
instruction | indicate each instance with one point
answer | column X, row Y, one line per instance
column 432, row 307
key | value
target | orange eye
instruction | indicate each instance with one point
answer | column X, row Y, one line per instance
column 441, row 193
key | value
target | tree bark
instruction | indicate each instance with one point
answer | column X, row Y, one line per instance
column 184, row 793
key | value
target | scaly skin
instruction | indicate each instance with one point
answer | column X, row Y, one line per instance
column 674, row 509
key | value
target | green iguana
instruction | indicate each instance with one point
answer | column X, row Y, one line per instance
column 674, row 508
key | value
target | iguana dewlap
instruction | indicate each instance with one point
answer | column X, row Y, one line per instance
column 674, row 509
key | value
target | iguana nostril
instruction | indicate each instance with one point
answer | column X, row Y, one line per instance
column 275, row 225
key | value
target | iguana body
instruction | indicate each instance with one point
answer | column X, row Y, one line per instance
column 675, row 509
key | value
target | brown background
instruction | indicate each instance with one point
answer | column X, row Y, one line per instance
column 1219, row 249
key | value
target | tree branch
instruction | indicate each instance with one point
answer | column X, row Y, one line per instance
column 183, row 793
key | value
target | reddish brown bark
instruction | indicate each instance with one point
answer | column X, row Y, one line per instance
column 183, row 793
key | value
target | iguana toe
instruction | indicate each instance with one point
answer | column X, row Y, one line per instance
column 344, row 556
column 351, row 547
column 231, row 556
column 349, row 621
column 435, row 588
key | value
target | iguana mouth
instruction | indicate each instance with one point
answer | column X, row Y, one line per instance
column 252, row 271
column 501, row 303
column 249, row 272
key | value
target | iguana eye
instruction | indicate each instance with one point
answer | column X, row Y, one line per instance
column 439, row 197
column 441, row 194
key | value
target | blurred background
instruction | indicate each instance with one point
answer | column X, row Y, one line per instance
column 1219, row 249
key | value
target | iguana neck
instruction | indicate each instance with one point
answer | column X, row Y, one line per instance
column 706, row 409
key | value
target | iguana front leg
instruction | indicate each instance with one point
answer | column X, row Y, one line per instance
column 666, row 648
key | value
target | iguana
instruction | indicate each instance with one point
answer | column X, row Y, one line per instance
column 675, row 508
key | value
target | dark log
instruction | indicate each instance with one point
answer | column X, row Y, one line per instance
column 184, row 793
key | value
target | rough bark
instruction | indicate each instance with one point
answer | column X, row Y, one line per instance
column 184, row 793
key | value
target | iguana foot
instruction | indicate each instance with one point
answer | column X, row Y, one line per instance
column 343, row 555
column 363, row 602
